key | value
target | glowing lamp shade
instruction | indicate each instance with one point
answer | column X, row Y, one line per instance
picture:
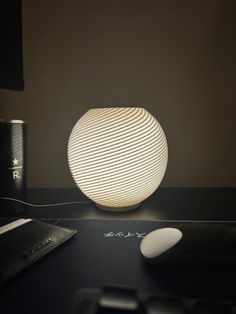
column 117, row 156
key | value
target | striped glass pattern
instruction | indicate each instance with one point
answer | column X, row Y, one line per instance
column 117, row 156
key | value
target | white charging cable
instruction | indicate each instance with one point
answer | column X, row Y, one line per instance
column 44, row 205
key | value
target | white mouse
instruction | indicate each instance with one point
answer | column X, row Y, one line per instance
column 159, row 241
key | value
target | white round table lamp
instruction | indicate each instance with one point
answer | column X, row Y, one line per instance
column 117, row 156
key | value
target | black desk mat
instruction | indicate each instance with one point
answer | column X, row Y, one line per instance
column 105, row 253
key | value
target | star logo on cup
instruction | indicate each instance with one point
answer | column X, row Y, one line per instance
column 15, row 162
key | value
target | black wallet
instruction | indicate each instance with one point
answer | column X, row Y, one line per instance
column 24, row 241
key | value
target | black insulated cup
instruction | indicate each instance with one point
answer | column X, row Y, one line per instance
column 13, row 135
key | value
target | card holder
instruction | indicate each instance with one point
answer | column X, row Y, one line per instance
column 26, row 242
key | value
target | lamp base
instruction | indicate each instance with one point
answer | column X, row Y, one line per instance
column 117, row 209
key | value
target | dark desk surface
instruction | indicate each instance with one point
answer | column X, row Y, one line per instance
column 49, row 285
column 164, row 204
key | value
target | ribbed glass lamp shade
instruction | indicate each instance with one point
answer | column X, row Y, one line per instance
column 117, row 156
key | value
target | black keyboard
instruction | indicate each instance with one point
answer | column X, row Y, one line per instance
column 125, row 301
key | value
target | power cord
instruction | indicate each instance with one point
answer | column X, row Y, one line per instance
column 43, row 205
column 84, row 202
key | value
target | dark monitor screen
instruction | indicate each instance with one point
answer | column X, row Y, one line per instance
column 11, row 56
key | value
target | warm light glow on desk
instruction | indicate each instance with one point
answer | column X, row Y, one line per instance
column 117, row 156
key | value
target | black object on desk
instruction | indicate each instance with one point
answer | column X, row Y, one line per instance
column 13, row 166
column 117, row 300
column 25, row 241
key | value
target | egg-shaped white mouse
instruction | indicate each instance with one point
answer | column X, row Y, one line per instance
column 159, row 241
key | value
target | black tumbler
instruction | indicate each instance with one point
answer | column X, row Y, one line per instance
column 12, row 167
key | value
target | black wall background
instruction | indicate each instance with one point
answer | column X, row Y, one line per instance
column 175, row 58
